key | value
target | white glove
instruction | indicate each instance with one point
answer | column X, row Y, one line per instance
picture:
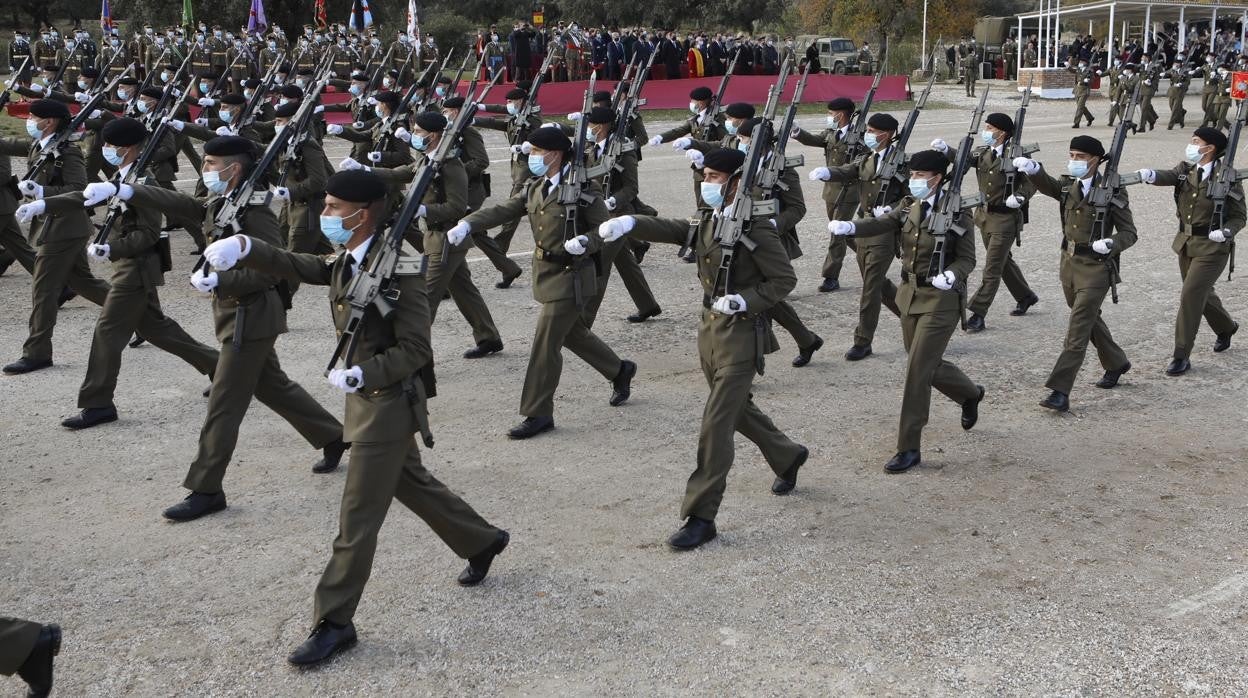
column 610, row 203
column 36, row 87
column 655, row 141
column 82, row 97
column 480, row 107
column 941, row 145
column 1014, row 201
column 357, row 125
column 1102, row 246
column 1218, row 235
column 615, row 228
column 730, row 304
column 1147, row 176
column 403, row 134
column 841, row 227
column 350, row 164
column 820, row 174
column 881, row 211
column 945, row 281
column 25, row 212
column 374, row 157
column 174, row 124
column 334, row 129
column 281, row 193
column 797, row 131
column 576, row 246
column 224, row 131
column 574, row 116
column 457, row 234
column 95, row 114
column 225, row 253
column 420, row 212
column 338, row 378
column 201, row 121
column 204, row 284
column 318, row 109
column 30, row 189
column 682, row 143
column 1148, row 82
column 97, row 192
column 525, row 148
column 207, row 102
column 97, row 252
column 1026, row 165
column 697, row 157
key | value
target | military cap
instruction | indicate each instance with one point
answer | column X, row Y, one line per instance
column 51, row 68
column 356, row 186
column 49, row 109
column 550, row 139
column 525, row 85
column 740, row 110
column 210, row 76
column 253, row 83
column 233, row 98
column 928, row 161
column 153, row 92
column 229, row 145
column 1001, row 121
column 128, row 81
column 284, row 68
column 305, row 71
column 359, row 77
column 841, row 104
column 602, row 96
column 602, row 115
column 431, row 121
column 453, row 102
column 1087, row 144
column 89, row 73
column 702, row 94
column 286, row 110
column 292, row 91
column 1212, row 136
column 882, row 122
column 517, row 93
column 727, row 160
column 388, row 97
column 123, row 132
column 443, row 80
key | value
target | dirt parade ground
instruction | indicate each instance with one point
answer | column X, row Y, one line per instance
column 1098, row 552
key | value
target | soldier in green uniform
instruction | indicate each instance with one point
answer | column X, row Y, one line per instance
column 250, row 313
column 875, row 254
column 1180, row 78
column 700, row 126
column 1222, row 100
column 1150, row 75
column 1115, row 89
column 1212, row 78
column 970, row 71
column 385, row 407
column 1202, row 243
column 1088, row 266
column 836, row 152
column 564, row 279
column 930, row 302
column 733, row 336
column 303, row 194
column 364, row 151
column 1000, row 220
column 16, row 247
column 517, row 135
column 1009, row 57
column 1083, row 88
column 27, row 649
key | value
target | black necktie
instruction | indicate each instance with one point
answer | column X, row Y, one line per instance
column 545, row 188
column 923, row 209
column 348, row 269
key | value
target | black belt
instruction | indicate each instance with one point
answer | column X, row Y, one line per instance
column 1081, row 249
column 1200, row 231
column 999, row 208
column 918, row 280
column 562, row 258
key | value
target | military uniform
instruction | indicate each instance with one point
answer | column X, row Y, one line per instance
column 301, row 213
column 1180, row 79
column 17, row 641
column 1150, row 74
column 1083, row 88
column 970, row 71
column 1009, row 57
column 476, row 161
column 396, row 153
column 836, row 152
column 15, row 245
column 1209, row 90
column 1222, row 104
column 712, row 132
column 520, row 175
column 1115, row 94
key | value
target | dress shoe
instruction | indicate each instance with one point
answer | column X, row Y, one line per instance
column 90, row 417
column 331, row 456
column 67, row 295
column 1223, row 342
column 25, row 365
column 530, row 427
column 785, row 483
column 970, row 410
column 804, row 354
column 975, row 323
column 689, row 257
column 639, row 252
column 622, row 386
column 1057, row 401
column 693, row 534
column 1021, row 309
column 643, row 315
column 1178, row 367
column 36, row 671
column 858, row 352
column 479, row 565
column 195, row 505
column 507, row 279
column 325, row 641
column 196, row 252
column 1110, row 379
column 829, row 285
column 1090, row 120
column 484, row 349
column 207, row 390
column 903, row 461
column 136, row 341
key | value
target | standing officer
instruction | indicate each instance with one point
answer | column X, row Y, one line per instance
column 733, row 336
column 249, row 310
column 1083, row 87
column 563, row 281
column 1202, row 243
column 700, row 126
column 1009, row 56
column 1000, row 220
column 836, row 152
column 1088, row 266
column 517, row 136
column 970, row 68
column 27, row 649
column 386, row 405
column 930, row 301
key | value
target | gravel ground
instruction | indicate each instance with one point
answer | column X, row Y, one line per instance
column 1094, row 553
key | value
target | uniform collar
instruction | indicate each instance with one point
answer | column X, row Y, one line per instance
column 359, row 252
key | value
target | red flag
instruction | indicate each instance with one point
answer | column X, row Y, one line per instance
column 322, row 20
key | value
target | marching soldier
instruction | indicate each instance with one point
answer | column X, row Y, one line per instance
column 563, row 280
column 14, row 246
column 733, row 336
column 1180, row 79
column 303, row 194
column 1088, row 266
column 929, row 298
column 970, row 69
column 249, row 310
column 700, row 126
column 875, row 254
column 1150, row 75
column 27, row 649
column 1115, row 90
column 1211, row 77
column 1000, row 220
column 836, row 152
column 1083, row 87
column 1202, row 243
column 517, row 136
column 1222, row 100
column 396, row 153
column 385, row 396
column 1217, row 84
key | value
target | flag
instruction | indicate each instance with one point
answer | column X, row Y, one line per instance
column 256, row 22
column 106, row 19
column 413, row 22
column 322, row 20
column 361, row 18
column 188, row 15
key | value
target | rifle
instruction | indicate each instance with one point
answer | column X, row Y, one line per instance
column 169, row 91
column 892, row 163
column 853, row 137
column 572, row 194
column 117, row 207
column 431, row 87
column 769, row 179
column 259, row 96
column 633, row 102
column 618, row 142
column 300, row 125
column 712, row 110
column 371, row 87
column 521, row 118
column 1105, row 192
column 1016, row 149
column 455, row 83
column 5, row 95
column 1220, row 187
column 55, row 82
column 375, row 286
column 617, row 95
column 52, row 150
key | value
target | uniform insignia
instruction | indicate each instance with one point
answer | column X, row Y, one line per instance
column 411, row 266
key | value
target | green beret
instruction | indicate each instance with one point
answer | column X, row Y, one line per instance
column 841, row 104
column 517, row 93
column 388, row 97
column 702, row 94
column 286, row 110
column 1212, row 136
column 1087, row 144
column 740, row 110
column 1001, row 121
column 233, row 98
column 453, row 102
column 153, row 92
column 929, row 161
column 882, row 122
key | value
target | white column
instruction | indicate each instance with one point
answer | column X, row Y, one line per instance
column 1042, row 48
column 1182, row 30
column 1146, row 31
column 1018, row 56
column 1243, row 30
column 1057, row 32
column 923, row 52
column 1110, row 45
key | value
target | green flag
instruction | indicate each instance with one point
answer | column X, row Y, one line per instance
column 188, row 15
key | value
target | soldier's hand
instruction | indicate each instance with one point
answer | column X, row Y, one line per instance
column 841, row 228
column 201, row 121
column 36, row 87
column 352, row 164
column 730, row 304
column 820, row 174
column 357, row 125
column 30, row 189
column 97, row 252
column 797, row 131
column 1148, row 82
column 202, row 283
column 403, row 134
column 1218, row 235
column 941, row 145
column 1026, row 165
column 26, row 212
column 945, row 281
column 459, row 233
column 224, row 131
column 97, row 192
column 1014, row 201
column 655, row 141
column 576, row 246
column 610, row 203
column 696, row 157
column 281, row 193
column 881, row 211
column 420, row 212
column 225, row 253
column 334, row 129
column 1147, row 176
column 207, row 102
column 1102, row 246
column 374, row 157
column 616, row 228
column 574, row 116
column 174, row 124
column 682, row 143
column 348, row 380
column 82, row 97
column 318, row 109
column 95, row 114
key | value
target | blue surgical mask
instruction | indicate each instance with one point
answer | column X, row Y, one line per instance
column 693, row 108
column 141, row 106
column 111, row 155
column 1077, row 168
column 537, row 164
column 214, row 183
column 831, row 121
column 870, row 140
column 418, row 143
column 440, row 91
column 277, row 130
column 164, row 76
column 712, row 194
column 203, row 87
column 919, row 189
column 226, row 116
column 82, row 84
column 123, row 95
column 731, row 128
column 32, row 127
column 356, row 90
column 988, row 137
column 1192, row 154
column 511, row 109
column 743, row 146
column 248, row 94
column 333, row 230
